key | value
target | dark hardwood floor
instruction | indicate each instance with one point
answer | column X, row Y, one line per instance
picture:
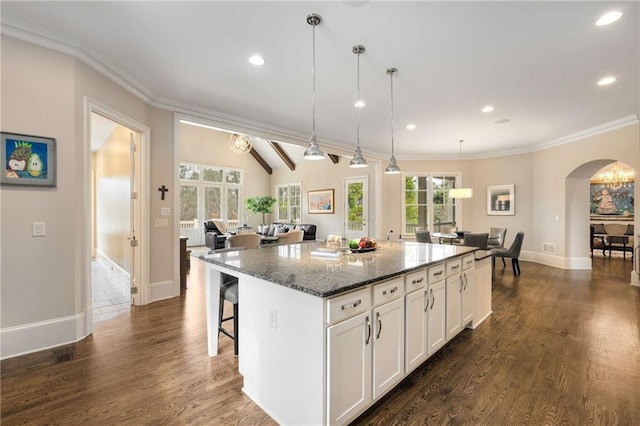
column 562, row 347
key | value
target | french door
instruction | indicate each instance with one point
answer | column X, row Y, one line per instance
column 356, row 209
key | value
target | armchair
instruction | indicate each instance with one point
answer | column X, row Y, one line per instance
column 214, row 238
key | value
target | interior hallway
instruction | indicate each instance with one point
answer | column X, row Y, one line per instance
column 562, row 347
column 110, row 294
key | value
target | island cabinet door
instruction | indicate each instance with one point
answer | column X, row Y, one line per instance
column 388, row 346
column 436, row 321
column 416, row 314
column 468, row 294
column 454, row 300
column 349, row 368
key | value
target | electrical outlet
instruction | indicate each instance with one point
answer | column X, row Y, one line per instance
column 272, row 320
column 38, row 229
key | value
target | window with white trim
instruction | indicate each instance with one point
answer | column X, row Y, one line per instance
column 288, row 205
column 210, row 192
column 426, row 202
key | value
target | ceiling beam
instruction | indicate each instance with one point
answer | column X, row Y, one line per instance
column 260, row 160
column 283, row 155
column 334, row 158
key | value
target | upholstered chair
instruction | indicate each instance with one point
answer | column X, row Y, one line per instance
column 293, row 236
column 248, row 241
column 496, row 238
column 423, row 236
column 513, row 253
column 476, row 240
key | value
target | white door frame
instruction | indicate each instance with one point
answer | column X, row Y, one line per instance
column 366, row 215
column 141, row 218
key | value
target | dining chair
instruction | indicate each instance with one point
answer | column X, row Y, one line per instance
column 496, row 238
column 476, row 240
column 513, row 253
column 423, row 236
column 291, row 237
column 229, row 285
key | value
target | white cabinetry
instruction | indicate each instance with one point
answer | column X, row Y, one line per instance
column 388, row 346
column 468, row 290
column 454, row 297
column 436, row 321
column 416, row 332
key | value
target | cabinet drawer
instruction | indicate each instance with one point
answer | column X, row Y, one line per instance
column 415, row 280
column 436, row 273
column 347, row 305
column 453, row 267
column 468, row 261
column 388, row 290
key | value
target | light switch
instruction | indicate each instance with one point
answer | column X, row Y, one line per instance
column 38, row 229
column 165, row 211
column 162, row 223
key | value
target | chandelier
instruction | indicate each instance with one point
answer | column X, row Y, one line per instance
column 616, row 178
column 240, row 144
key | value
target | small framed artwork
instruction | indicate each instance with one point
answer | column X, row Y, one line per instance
column 501, row 200
column 321, row 201
column 27, row 160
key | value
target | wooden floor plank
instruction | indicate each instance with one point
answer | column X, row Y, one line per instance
column 562, row 347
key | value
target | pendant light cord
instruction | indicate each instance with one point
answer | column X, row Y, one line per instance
column 392, row 151
column 358, row 108
column 313, row 73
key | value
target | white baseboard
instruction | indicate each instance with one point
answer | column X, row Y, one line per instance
column 38, row 336
column 556, row 261
column 162, row 290
column 117, row 273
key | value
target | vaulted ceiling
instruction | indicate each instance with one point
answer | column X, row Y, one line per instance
column 536, row 63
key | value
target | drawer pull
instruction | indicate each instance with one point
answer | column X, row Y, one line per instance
column 437, row 274
column 455, row 267
column 418, row 281
column 351, row 305
column 393, row 290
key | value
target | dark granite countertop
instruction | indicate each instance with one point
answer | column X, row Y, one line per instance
column 294, row 266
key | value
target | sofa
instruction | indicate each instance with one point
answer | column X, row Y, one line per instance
column 612, row 237
column 281, row 227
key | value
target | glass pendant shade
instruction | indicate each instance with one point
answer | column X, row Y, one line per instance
column 392, row 168
column 313, row 151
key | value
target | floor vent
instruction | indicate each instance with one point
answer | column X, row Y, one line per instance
column 549, row 248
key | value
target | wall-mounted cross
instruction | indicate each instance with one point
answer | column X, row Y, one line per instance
column 163, row 189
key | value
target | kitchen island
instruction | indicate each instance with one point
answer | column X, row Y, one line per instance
column 323, row 338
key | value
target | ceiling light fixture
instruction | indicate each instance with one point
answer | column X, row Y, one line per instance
column 606, row 81
column 608, row 18
column 358, row 160
column 256, row 60
column 488, row 108
column 313, row 151
column 616, row 178
column 240, row 144
column 411, row 126
column 461, row 192
column 392, row 168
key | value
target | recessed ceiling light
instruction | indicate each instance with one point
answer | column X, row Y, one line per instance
column 608, row 18
column 502, row 121
column 256, row 60
column 606, row 81
column 359, row 104
column 488, row 108
column 411, row 126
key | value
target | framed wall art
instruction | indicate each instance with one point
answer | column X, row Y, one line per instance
column 27, row 160
column 501, row 200
column 321, row 201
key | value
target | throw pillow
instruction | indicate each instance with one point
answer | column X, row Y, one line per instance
column 272, row 230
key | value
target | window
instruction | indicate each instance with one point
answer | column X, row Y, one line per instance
column 427, row 203
column 209, row 192
column 288, row 203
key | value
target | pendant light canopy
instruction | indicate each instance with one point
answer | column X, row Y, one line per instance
column 313, row 151
column 461, row 192
column 358, row 160
column 392, row 168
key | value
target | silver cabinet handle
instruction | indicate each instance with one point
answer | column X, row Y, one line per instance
column 379, row 325
column 466, row 281
column 455, row 267
column 351, row 305
column 461, row 283
column 437, row 274
column 433, row 299
column 368, row 324
column 393, row 290
column 426, row 301
column 418, row 281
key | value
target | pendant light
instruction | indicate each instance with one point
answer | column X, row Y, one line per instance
column 313, row 151
column 392, row 168
column 461, row 192
column 358, row 160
